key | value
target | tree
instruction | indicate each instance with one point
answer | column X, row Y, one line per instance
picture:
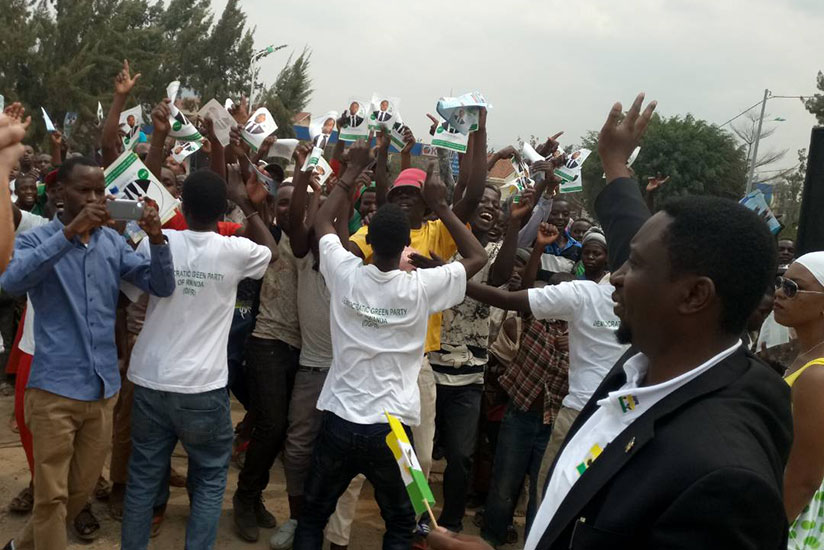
column 815, row 104
column 228, row 51
column 699, row 158
column 63, row 55
column 290, row 93
column 747, row 132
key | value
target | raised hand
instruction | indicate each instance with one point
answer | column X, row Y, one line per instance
column 240, row 111
column 302, row 151
column 519, row 210
column 239, row 147
column 547, row 234
column 441, row 539
column 56, row 138
column 654, row 182
column 16, row 112
column 550, row 145
column 358, row 157
column 124, row 81
column 545, row 166
column 618, row 138
column 12, row 132
column 435, row 123
column 408, row 140
column 160, row 117
column 150, row 223
column 364, row 179
column 383, row 141
column 434, row 190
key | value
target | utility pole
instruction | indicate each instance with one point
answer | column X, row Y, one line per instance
column 754, row 158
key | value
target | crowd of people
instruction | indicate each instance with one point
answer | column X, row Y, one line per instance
column 622, row 380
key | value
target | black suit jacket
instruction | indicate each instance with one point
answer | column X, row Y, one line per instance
column 703, row 468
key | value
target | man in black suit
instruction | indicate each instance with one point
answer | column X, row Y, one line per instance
column 684, row 444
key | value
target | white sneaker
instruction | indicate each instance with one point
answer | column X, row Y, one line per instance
column 285, row 536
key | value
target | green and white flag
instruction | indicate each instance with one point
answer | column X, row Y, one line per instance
column 181, row 128
column 128, row 178
column 416, row 486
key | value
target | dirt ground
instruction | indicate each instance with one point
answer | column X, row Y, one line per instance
column 367, row 530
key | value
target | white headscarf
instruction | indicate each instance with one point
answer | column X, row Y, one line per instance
column 814, row 262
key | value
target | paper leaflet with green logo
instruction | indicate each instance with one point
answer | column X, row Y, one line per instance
column 570, row 173
column 181, row 128
column 448, row 138
column 128, row 178
column 416, row 486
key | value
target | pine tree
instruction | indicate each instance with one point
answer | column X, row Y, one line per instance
column 290, row 93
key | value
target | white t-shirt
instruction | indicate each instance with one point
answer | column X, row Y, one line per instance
column 593, row 349
column 378, row 324
column 26, row 344
column 313, row 315
column 182, row 347
column 615, row 413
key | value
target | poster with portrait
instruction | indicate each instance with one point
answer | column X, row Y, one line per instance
column 355, row 125
column 181, row 128
column 756, row 202
column 222, row 121
column 259, row 126
column 384, row 112
column 183, row 149
column 265, row 179
column 130, row 122
column 462, row 112
column 321, row 129
column 313, row 159
column 396, row 137
column 128, row 178
column 323, row 170
column 570, row 173
column 449, row 138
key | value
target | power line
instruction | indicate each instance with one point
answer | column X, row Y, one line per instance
column 748, row 109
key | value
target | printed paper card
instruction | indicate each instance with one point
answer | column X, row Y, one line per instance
column 355, row 124
column 396, row 136
column 259, row 126
column 449, row 138
column 182, row 129
column 183, row 149
column 267, row 181
column 570, row 173
column 384, row 112
column 130, row 122
column 128, row 178
column 69, row 122
column 322, row 127
column 756, row 202
column 462, row 112
column 323, row 169
column 313, row 159
column 49, row 124
column 222, row 121
column 283, row 148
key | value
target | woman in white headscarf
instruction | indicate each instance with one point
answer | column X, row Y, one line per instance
column 799, row 303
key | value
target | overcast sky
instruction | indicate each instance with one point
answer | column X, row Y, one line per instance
column 548, row 66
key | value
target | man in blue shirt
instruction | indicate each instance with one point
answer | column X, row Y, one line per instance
column 71, row 268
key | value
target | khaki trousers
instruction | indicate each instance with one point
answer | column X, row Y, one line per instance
column 560, row 429
column 70, row 440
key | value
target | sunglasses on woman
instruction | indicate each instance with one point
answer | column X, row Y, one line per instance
column 790, row 288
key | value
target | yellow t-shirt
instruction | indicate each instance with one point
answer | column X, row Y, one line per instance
column 431, row 236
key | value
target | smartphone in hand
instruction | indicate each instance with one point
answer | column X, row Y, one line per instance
column 125, row 209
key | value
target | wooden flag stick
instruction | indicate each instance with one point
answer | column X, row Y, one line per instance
column 431, row 515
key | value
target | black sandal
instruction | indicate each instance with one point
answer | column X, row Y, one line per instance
column 86, row 525
column 23, row 502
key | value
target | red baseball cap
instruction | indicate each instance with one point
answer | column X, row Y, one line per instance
column 411, row 177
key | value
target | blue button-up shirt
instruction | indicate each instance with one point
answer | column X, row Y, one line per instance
column 74, row 289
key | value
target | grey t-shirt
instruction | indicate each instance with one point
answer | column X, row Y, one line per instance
column 313, row 315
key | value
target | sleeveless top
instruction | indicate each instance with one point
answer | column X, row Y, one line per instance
column 791, row 378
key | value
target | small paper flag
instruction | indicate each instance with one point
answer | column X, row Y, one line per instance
column 411, row 473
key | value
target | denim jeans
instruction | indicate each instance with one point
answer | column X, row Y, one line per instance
column 344, row 450
column 202, row 423
column 458, row 410
column 243, row 323
column 271, row 366
column 521, row 445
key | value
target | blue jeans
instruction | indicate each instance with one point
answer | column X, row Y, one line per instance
column 342, row 451
column 521, row 445
column 202, row 423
